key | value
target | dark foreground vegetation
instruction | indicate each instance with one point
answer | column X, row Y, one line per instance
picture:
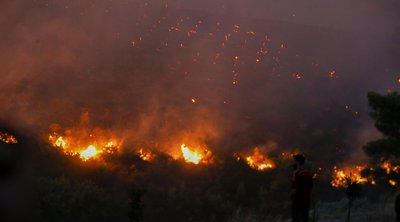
column 53, row 186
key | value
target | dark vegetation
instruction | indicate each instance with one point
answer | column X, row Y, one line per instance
column 122, row 187
column 165, row 188
column 386, row 113
column 385, row 110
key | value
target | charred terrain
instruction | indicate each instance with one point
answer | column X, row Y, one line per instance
column 141, row 111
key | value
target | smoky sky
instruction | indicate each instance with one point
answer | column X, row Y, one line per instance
column 134, row 67
column 346, row 14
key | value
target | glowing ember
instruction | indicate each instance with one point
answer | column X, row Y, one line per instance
column 389, row 168
column 145, row 155
column 288, row 155
column 89, row 153
column 392, row 183
column 297, row 76
column 58, row 142
column 259, row 161
column 194, row 156
column 110, row 144
column 343, row 178
column 332, row 74
column 8, row 138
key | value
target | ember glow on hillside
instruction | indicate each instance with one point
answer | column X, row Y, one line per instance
column 259, row 161
column 146, row 155
column 158, row 69
column 72, row 146
column 83, row 140
column 344, row 178
column 390, row 168
column 7, row 138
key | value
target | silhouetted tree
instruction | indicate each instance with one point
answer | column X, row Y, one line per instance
column 386, row 113
column 353, row 191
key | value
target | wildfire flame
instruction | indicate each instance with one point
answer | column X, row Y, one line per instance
column 145, row 155
column 60, row 142
column 8, row 138
column 343, row 178
column 389, row 168
column 259, row 161
column 393, row 183
column 72, row 146
column 89, row 153
column 194, row 156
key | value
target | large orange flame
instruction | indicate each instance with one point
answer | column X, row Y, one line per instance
column 86, row 148
column 345, row 177
column 195, row 156
column 59, row 142
column 89, row 153
column 259, row 161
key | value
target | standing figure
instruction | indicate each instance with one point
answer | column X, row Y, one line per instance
column 302, row 184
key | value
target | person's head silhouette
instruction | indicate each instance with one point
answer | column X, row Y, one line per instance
column 299, row 161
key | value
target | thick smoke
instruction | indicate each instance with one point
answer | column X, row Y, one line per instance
column 61, row 59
